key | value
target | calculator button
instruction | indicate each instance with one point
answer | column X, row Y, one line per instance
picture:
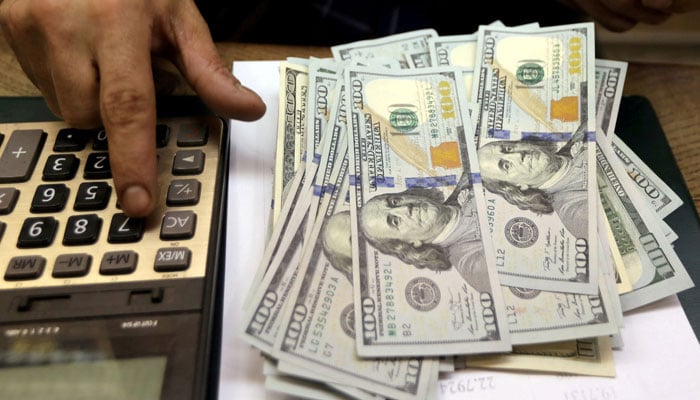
column 194, row 134
column 178, row 225
column 82, row 229
column 71, row 265
column 37, row 232
column 183, row 192
column 49, row 198
column 71, row 139
column 60, row 167
column 172, row 259
column 118, row 262
column 188, row 162
column 125, row 229
column 99, row 142
column 92, row 196
column 2, row 137
column 97, row 166
column 8, row 199
column 162, row 135
column 20, row 155
column 25, row 267
column 2, row 230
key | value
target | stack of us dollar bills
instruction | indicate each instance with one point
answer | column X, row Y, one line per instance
column 447, row 202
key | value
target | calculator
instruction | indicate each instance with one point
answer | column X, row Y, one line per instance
column 93, row 303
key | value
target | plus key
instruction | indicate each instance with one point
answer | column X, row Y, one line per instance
column 21, row 152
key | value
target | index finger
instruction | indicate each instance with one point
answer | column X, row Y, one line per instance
column 128, row 111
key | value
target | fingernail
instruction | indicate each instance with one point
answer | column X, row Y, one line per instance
column 241, row 86
column 136, row 201
column 237, row 83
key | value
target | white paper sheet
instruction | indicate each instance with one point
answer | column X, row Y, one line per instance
column 661, row 355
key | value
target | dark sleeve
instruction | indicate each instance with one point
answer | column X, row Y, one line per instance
column 328, row 23
column 227, row 19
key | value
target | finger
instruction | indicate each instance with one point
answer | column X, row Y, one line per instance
column 76, row 91
column 74, row 79
column 200, row 63
column 127, row 106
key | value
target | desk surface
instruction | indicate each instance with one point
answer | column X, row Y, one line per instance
column 671, row 89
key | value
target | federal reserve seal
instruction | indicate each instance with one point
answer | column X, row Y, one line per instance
column 422, row 294
column 530, row 73
column 347, row 320
column 521, row 232
column 403, row 119
column 524, row 293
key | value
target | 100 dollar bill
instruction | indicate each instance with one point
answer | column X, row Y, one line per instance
column 535, row 126
column 319, row 333
column 538, row 316
column 389, row 51
column 609, row 80
column 335, row 143
column 322, row 90
column 268, row 299
column 460, row 50
column 592, row 356
column 424, row 278
column 454, row 50
column 660, row 272
column 657, row 194
column 291, row 130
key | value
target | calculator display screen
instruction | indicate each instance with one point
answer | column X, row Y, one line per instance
column 136, row 358
column 131, row 378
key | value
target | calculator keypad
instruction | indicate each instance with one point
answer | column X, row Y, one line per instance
column 60, row 222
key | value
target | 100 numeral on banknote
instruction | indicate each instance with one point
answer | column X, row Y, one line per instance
column 424, row 276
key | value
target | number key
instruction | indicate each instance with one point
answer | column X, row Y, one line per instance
column 92, row 196
column 49, row 198
column 100, row 140
column 82, row 229
column 97, row 166
column 37, row 232
column 124, row 229
column 60, row 167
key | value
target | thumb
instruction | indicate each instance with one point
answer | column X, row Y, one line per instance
column 200, row 63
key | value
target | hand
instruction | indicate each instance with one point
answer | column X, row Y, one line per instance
column 623, row 15
column 91, row 59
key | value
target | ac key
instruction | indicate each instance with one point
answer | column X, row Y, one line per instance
column 178, row 225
